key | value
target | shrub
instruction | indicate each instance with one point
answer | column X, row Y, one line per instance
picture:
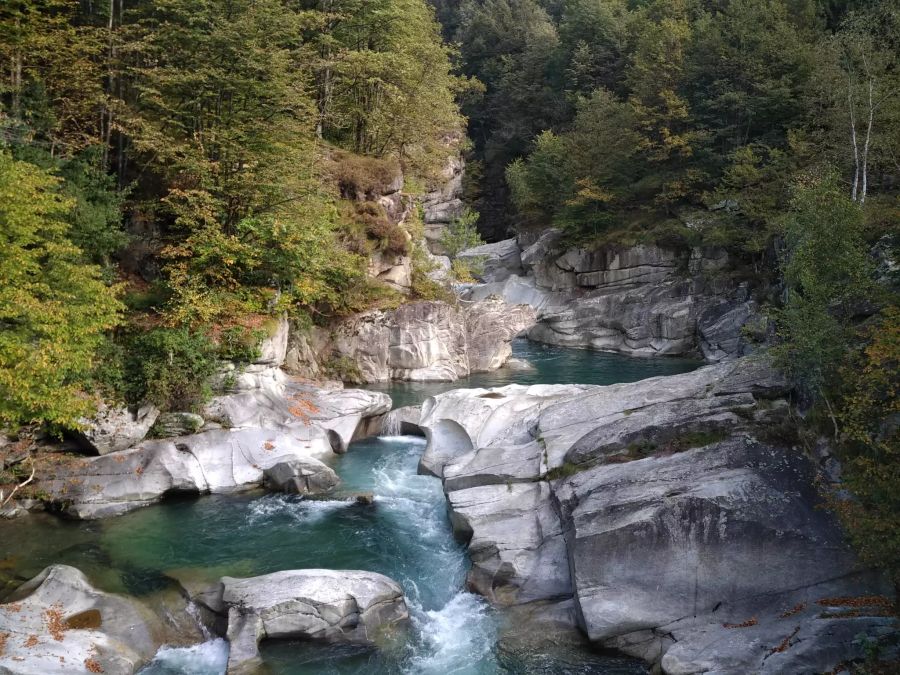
column 868, row 410
column 54, row 308
column 359, row 177
column 461, row 234
column 240, row 344
column 169, row 367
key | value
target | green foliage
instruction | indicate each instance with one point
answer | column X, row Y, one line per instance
column 461, row 234
column 344, row 368
column 384, row 85
column 169, row 367
column 54, row 307
column 869, row 407
column 240, row 344
column 824, row 290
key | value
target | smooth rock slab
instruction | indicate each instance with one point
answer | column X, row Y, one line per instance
column 722, row 534
column 58, row 624
column 432, row 340
column 344, row 606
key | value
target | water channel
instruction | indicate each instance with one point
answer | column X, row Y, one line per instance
column 404, row 534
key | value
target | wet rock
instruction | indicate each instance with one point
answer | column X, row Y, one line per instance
column 519, row 364
column 306, row 476
column 515, row 542
column 116, row 428
column 324, row 605
column 58, row 623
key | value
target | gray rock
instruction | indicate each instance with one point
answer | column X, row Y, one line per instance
column 324, row 605
column 498, row 261
column 431, row 340
column 273, row 349
column 720, row 330
column 519, row 364
column 58, row 623
column 216, row 461
column 300, row 477
column 657, row 540
column 548, row 486
column 402, row 421
column 515, row 542
column 642, row 300
column 177, row 424
column 114, row 429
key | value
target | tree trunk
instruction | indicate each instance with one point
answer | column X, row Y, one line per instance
column 865, row 155
column 855, row 146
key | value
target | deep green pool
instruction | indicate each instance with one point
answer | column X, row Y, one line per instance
column 552, row 365
column 405, row 534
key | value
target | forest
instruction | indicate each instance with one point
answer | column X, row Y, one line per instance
column 172, row 174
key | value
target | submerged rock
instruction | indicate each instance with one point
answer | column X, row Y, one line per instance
column 58, row 623
column 324, row 605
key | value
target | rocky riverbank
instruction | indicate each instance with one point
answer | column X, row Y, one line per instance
column 643, row 300
column 673, row 518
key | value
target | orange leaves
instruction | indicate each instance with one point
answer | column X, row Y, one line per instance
column 302, row 408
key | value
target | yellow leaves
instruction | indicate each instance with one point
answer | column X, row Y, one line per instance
column 55, row 305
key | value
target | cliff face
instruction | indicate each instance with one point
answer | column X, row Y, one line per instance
column 641, row 300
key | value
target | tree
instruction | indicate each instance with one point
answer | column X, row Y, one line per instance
column 827, row 274
column 385, row 85
column 54, row 307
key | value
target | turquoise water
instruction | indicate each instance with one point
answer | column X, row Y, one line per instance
column 404, row 534
column 552, row 365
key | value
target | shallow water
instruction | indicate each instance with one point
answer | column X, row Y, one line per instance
column 405, row 534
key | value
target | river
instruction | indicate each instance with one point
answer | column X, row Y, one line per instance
column 404, row 534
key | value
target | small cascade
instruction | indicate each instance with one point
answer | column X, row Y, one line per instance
column 391, row 424
column 193, row 610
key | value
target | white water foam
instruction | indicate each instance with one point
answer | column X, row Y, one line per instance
column 454, row 639
column 207, row 658
column 301, row 510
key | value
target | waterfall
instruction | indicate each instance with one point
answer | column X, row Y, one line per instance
column 391, row 424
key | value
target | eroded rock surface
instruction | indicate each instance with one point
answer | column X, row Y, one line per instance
column 116, row 428
column 432, row 340
column 344, row 606
column 684, row 529
column 643, row 300
column 280, row 422
column 58, row 624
